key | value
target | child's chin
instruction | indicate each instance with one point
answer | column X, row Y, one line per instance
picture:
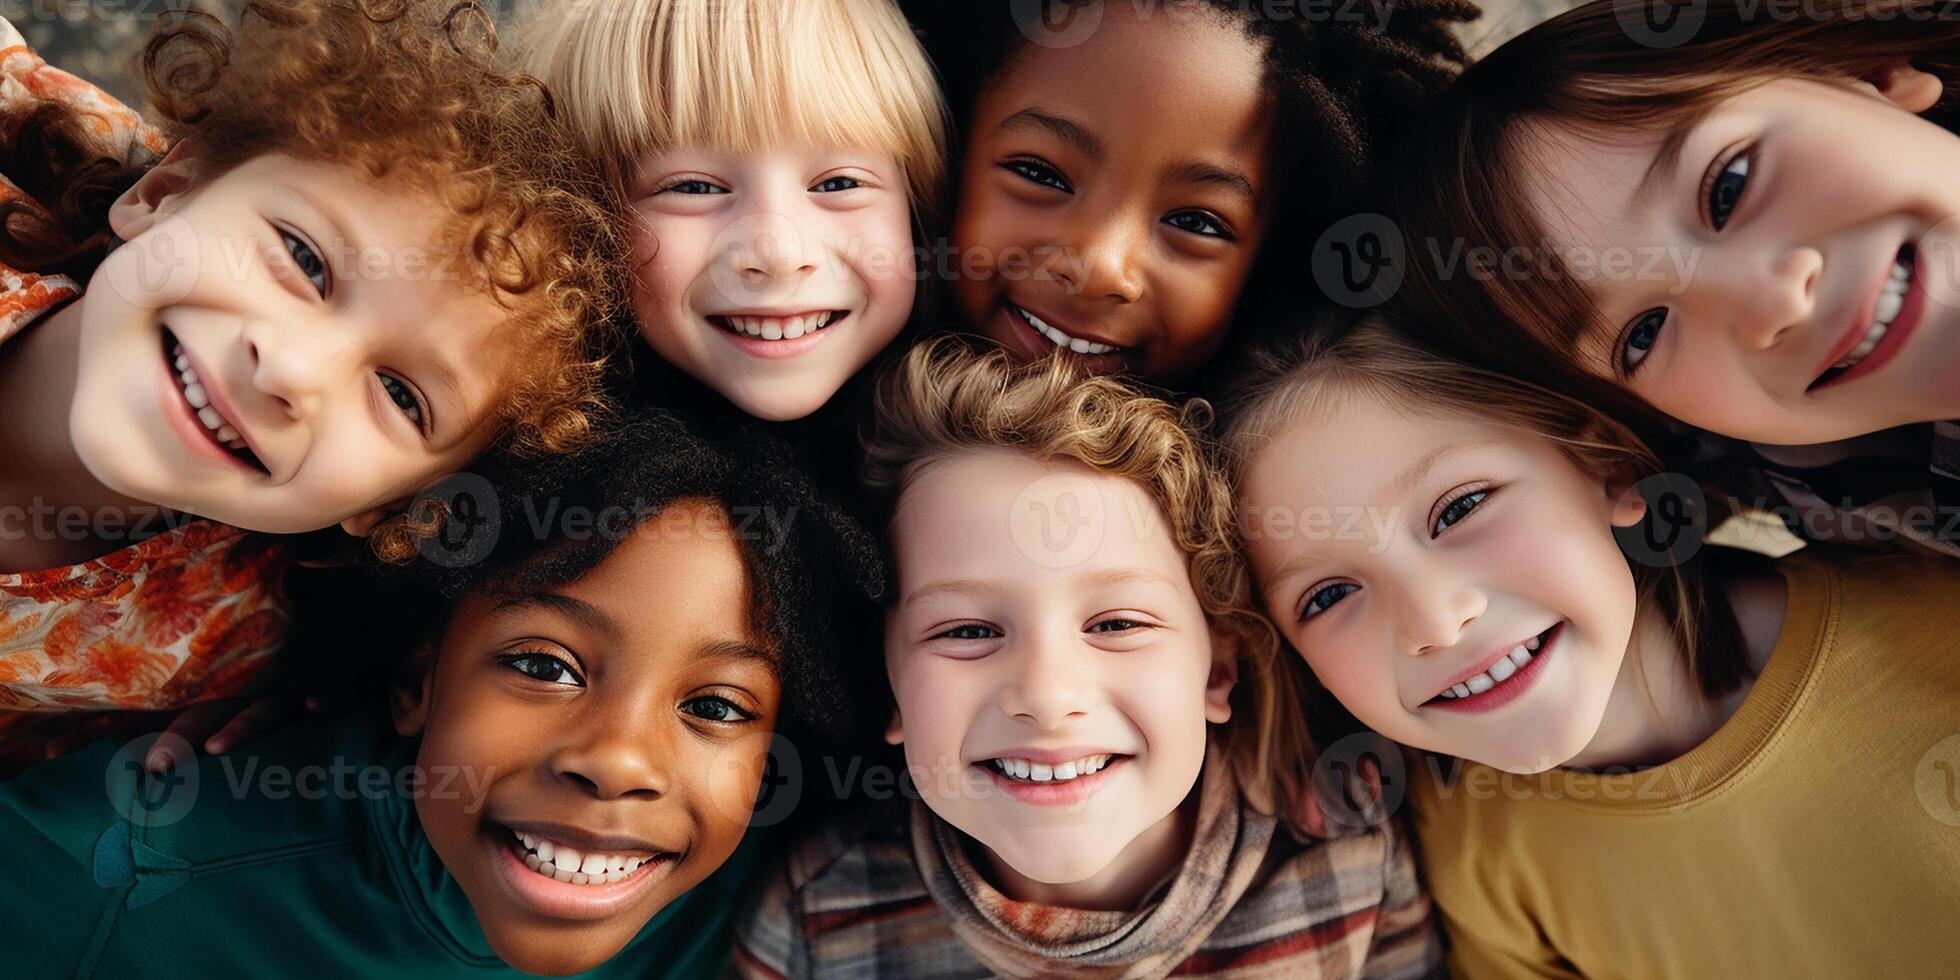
column 556, row 952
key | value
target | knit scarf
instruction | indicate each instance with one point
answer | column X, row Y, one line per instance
column 1023, row 939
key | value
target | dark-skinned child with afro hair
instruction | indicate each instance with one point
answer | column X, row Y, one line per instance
column 603, row 655
column 1136, row 181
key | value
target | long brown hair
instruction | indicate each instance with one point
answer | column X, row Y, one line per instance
column 1381, row 359
column 1591, row 72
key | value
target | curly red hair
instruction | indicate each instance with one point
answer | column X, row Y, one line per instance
column 410, row 91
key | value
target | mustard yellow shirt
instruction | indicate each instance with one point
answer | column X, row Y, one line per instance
column 1816, row 834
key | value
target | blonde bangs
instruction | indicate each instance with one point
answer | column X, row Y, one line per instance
column 638, row 76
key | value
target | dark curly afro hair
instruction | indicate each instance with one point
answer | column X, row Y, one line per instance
column 817, row 574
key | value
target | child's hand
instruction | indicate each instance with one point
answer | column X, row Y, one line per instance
column 218, row 726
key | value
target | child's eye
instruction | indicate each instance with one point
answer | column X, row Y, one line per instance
column 969, row 631
column 711, row 708
column 1036, row 172
column 307, row 259
column 1198, row 223
column 405, row 399
column 1641, row 336
column 1324, row 599
column 1458, row 509
column 1117, row 624
column 692, row 186
column 1725, row 188
column 542, row 667
column 831, row 185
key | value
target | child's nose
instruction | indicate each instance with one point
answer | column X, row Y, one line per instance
column 767, row 247
column 1435, row 619
column 1050, row 684
column 1764, row 300
column 612, row 761
column 1107, row 260
column 296, row 365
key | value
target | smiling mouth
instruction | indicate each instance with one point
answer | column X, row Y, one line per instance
column 777, row 327
column 1027, row 771
column 1060, row 339
column 1499, row 673
column 1891, row 299
column 191, row 389
column 562, row 862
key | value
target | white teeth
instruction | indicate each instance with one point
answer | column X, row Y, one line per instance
column 1036, row 772
column 1520, row 656
column 567, row 864
column 1891, row 299
column 778, row 328
column 194, row 393
column 182, row 363
column 210, row 417
column 1480, row 683
column 1532, row 644
column 1461, row 690
column 1060, row 339
column 1502, row 670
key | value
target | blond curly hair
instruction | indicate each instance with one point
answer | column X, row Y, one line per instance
column 957, row 394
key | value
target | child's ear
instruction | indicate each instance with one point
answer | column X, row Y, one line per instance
column 1907, row 87
column 1629, row 507
column 155, row 193
column 1225, row 652
column 408, row 703
column 363, row 524
column 895, row 732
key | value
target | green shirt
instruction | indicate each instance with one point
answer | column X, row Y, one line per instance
column 238, row 870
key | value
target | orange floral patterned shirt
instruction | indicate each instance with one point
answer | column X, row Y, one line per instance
column 188, row 615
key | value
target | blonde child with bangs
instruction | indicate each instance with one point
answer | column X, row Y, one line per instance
column 1102, row 744
column 778, row 160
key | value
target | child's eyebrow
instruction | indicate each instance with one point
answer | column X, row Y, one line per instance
column 1205, row 173
column 729, row 649
column 1061, row 127
column 586, row 613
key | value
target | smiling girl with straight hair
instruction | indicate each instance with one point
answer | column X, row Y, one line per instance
column 1749, row 223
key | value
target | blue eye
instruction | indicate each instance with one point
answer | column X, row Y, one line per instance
column 1641, row 336
column 542, row 667
column 307, row 259
column 694, row 186
column 832, row 185
column 1458, row 509
column 405, row 399
column 969, row 631
column 1725, row 191
column 1036, row 172
column 712, row 708
column 1198, row 223
column 1324, row 599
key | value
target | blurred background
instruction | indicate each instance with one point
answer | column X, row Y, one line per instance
column 101, row 40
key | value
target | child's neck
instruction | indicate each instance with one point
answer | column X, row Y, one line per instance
column 1149, row 859
column 1657, row 711
column 44, row 476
